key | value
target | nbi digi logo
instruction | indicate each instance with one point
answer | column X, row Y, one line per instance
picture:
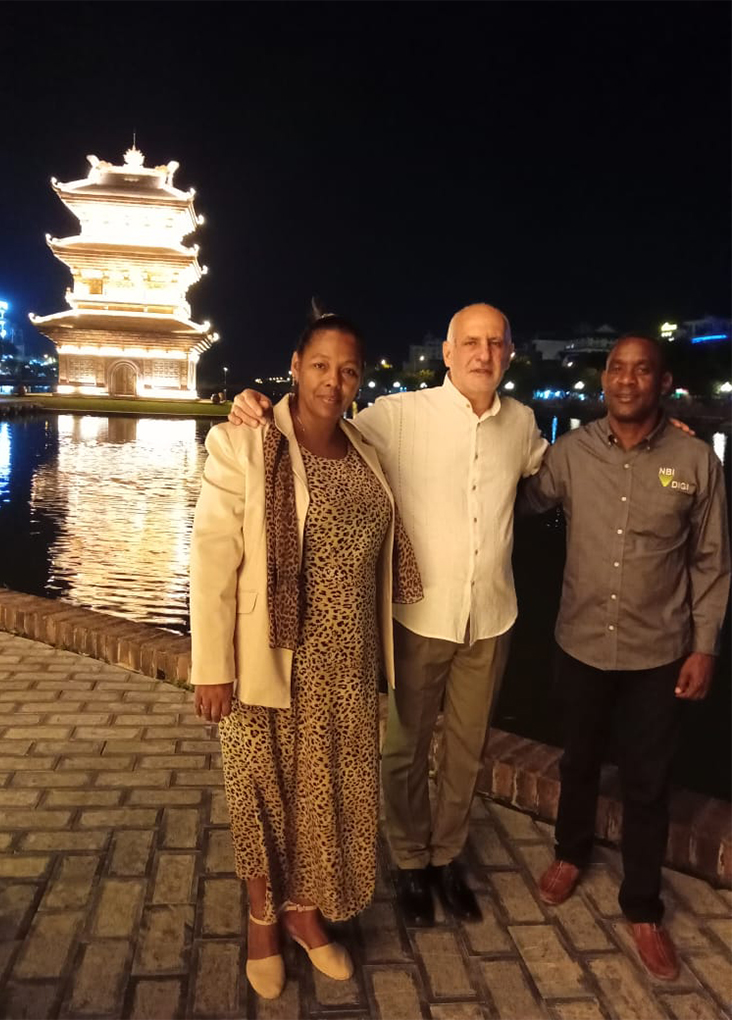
column 667, row 480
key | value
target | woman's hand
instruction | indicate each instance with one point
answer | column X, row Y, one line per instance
column 251, row 408
column 213, row 701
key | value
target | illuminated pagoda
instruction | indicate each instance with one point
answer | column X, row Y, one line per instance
column 128, row 330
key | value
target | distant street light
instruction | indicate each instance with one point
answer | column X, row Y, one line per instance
column 225, row 374
column 509, row 385
column 579, row 385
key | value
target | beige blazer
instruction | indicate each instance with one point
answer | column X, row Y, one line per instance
column 229, row 619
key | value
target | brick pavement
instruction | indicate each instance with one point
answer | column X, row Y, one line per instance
column 118, row 897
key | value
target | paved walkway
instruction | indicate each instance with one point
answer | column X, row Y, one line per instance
column 118, row 897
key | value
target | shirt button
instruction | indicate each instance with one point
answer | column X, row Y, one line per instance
column 610, row 627
column 475, row 487
column 616, row 563
column 475, row 520
column 620, row 531
column 613, row 596
column 476, row 552
column 623, row 499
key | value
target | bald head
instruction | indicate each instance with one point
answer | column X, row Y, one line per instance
column 477, row 351
column 476, row 310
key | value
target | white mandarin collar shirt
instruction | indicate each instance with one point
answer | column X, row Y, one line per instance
column 454, row 478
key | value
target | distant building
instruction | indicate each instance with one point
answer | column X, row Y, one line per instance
column 708, row 329
column 10, row 333
column 586, row 342
column 128, row 330
column 427, row 355
column 275, row 386
column 19, row 365
column 550, row 350
column 590, row 341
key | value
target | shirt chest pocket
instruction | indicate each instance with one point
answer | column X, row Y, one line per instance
column 662, row 513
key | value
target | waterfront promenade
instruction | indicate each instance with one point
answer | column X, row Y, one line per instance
column 118, row 897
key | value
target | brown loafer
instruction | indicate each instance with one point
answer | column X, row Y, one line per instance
column 656, row 950
column 558, row 882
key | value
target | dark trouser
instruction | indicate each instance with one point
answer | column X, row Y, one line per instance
column 645, row 711
column 469, row 676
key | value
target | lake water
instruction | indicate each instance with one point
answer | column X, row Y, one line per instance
column 98, row 511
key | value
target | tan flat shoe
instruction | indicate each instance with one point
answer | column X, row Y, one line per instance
column 332, row 959
column 266, row 976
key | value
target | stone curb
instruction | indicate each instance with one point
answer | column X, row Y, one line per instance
column 525, row 774
column 516, row 771
column 145, row 649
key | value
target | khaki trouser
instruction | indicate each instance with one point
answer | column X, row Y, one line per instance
column 469, row 676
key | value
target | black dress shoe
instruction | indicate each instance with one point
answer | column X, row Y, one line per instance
column 456, row 895
column 415, row 897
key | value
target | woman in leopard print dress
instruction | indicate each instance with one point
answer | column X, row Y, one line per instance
column 299, row 726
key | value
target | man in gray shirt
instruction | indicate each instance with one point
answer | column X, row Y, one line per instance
column 644, row 595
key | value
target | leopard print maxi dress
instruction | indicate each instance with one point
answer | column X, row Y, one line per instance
column 302, row 783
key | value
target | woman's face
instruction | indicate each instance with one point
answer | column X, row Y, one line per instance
column 328, row 374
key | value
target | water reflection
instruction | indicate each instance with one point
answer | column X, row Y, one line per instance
column 122, row 491
column 99, row 511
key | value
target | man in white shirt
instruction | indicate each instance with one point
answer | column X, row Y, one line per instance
column 453, row 456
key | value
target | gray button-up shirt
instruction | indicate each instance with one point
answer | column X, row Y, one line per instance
column 647, row 572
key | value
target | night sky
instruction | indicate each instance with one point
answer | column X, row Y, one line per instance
column 566, row 161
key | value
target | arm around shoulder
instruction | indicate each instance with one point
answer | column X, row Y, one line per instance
column 536, row 446
column 544, row 488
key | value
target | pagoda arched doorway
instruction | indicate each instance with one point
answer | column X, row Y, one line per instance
column 123, row 380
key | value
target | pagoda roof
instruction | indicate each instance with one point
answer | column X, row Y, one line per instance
column 130, row 181
column 124, row 322
column 81, row 245
column 82, row 189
